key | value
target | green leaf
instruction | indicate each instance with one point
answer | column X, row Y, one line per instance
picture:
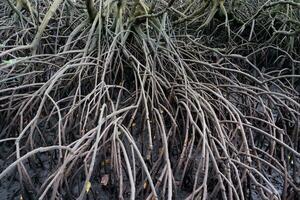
column 9, row 62
column 88, row 186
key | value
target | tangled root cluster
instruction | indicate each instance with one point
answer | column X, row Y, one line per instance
column 150, row 99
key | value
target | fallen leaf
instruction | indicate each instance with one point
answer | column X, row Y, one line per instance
column 160, row 150
column 104, row 180
column 145, row 184
column 107, row 161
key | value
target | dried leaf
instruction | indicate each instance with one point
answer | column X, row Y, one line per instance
column 160, row 150
column 104, row 180
column 145, row 184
